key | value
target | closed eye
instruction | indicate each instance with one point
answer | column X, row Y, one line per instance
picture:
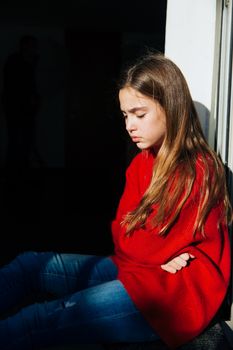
column 141, row 115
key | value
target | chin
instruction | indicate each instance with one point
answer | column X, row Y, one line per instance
column 144, row 146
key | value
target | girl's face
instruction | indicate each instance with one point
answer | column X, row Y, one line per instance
column 145, row 119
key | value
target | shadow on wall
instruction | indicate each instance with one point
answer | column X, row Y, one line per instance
column 51, row 87
column 204, row 116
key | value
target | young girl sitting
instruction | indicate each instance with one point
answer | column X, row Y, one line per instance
column 170, row 270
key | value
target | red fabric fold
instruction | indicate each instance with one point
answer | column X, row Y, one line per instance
column 178, row 306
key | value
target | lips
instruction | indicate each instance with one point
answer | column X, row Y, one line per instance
column 135, row 139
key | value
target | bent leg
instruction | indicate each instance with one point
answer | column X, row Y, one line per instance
column 100, row 314
column 33, row 273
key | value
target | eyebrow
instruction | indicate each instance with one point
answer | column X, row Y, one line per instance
column 135, row 109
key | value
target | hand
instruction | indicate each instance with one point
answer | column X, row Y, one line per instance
column 177, row 263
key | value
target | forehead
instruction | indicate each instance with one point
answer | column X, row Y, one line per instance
column 130, row 98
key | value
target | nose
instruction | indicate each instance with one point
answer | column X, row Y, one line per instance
column 130, row 124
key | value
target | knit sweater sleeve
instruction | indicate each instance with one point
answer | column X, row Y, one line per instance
column 178, row 306
column 182, row 305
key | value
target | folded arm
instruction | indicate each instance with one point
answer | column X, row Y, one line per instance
column 178, row 262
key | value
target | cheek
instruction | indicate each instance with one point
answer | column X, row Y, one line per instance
column 158, row 130
column 163, row 128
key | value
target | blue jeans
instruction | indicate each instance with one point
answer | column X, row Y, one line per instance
column 86, row 303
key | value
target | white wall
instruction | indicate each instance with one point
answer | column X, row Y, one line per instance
column 190, row 43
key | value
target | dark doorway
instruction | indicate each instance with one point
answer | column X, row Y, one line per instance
column 94, row 146
column 97, row 149
column 80, row 199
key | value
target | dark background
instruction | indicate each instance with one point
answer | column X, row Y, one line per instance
column 67, row 205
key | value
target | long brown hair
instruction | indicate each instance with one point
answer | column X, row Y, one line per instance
column 157, row 77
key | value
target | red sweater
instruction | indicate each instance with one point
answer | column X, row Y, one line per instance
column 178, row 306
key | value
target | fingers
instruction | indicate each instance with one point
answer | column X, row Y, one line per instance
column 186, row 256
column 168, row 268
column 177, row 263
column 174, row 265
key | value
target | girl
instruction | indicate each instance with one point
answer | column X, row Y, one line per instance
column 173, row 213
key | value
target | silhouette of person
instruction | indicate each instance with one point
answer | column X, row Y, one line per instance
column 20, row 101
